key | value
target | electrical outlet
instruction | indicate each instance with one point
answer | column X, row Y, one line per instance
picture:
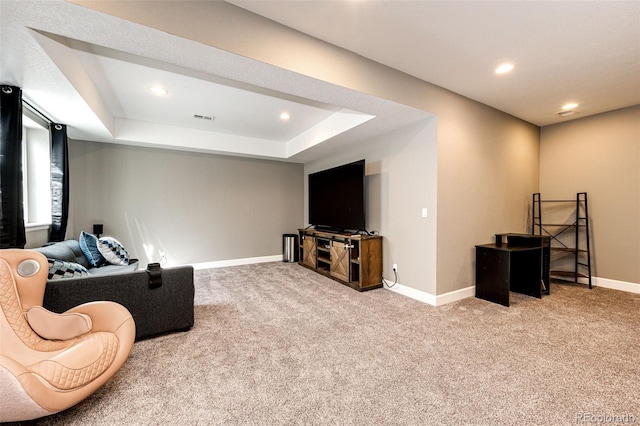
column 395, row 267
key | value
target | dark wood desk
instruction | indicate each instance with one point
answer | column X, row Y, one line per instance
column 501, row 268
column 532, row 240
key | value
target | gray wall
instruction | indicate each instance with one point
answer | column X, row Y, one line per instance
column 194, row 207
column 600, row 155
column 401, row 180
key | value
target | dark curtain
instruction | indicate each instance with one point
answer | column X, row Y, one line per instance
column 12, row 233
column 59, row 182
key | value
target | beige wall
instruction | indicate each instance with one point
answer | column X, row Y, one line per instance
column 487, row 170
column 600, row 155
column 487, row 161
column 194, row 207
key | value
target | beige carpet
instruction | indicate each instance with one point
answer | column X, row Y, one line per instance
column 278, row 344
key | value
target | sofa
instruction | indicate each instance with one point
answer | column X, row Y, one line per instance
column 159, row 302
column 69, row 254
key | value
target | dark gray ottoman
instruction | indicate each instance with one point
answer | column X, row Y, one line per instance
column 166, row 308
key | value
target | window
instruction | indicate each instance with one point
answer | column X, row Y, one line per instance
column 36, row 172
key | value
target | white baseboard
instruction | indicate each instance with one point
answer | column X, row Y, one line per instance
column 454, row 296
column 237, row 262
column 419, row 295
column 431, row 299
column 613, row 284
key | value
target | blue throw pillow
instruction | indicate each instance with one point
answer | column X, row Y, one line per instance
column 62, row 269
column 89, row 247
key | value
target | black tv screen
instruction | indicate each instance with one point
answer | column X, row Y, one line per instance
column 337, row 198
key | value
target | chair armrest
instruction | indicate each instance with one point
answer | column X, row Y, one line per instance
column 52, row 326
column 106, row 316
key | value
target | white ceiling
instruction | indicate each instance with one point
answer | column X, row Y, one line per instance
column 586, row 52
column 231, row 110
column 92, row 70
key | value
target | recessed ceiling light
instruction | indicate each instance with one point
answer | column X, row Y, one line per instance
column 285, row 116
column 158, row 90
column 570, row 105
column 504, row 68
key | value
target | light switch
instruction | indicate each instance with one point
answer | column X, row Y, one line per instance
column 424, row 212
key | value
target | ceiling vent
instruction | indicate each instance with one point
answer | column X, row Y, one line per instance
column 204, row 117
column 566, row 113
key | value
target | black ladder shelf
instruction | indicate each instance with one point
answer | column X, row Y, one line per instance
column 576, row 245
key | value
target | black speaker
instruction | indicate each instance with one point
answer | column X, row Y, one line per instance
column 97, row 229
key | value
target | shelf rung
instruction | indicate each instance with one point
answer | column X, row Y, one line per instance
column 564, row 249
column 567, row 274
column 568, row 249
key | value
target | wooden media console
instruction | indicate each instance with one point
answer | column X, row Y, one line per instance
column 353, row 260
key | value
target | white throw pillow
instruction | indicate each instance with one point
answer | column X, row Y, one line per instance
column 113, row 251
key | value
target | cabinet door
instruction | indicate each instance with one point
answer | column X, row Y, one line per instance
column 340, row 260
column 309, row 251
column 371, row 263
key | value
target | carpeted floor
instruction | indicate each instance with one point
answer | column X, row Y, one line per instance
column 277, row 344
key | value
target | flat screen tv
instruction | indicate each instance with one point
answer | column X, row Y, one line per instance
column 337, row 198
